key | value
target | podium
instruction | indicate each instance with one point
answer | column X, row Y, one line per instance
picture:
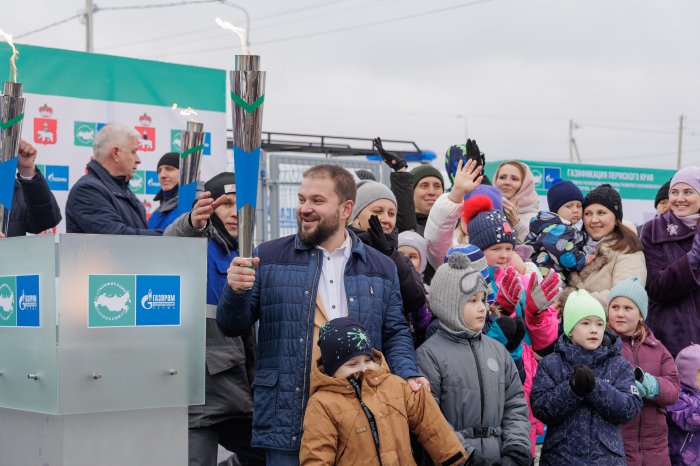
column 102, row 348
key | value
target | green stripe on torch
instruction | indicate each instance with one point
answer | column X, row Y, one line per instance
column 191, row 150
column 250, row 108
column 11, row 122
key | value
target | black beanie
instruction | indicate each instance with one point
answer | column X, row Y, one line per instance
column 606, row 196
column 342, row 339
column 662, row 193
column 223, row 183
column 171, row 158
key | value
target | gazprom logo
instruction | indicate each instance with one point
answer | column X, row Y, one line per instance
column 28, row 302
column 57, row 177
column 150, row 300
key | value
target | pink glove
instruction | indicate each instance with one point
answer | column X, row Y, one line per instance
column 541, row 295
column 509, row 290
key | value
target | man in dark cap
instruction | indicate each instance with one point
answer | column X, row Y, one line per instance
column 169, row 178
column 661, row 200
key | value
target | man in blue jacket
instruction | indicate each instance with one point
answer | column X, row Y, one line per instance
column 298, row 283
column 34, row 208
column 101, row 201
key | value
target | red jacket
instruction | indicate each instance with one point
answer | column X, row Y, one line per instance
column 646, row 435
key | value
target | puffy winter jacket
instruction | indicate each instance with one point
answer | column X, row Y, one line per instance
column 673, row 316
column 585, row 431
column 557, row 244
column 475, row 382
column 283, row 299
column 102, row 203
column 34, row 207
column 684, row 428
column 646, row 436
column 336, row 429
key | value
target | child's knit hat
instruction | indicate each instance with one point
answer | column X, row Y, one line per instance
column 369, row 191
column 417, row 242
column 561, row 192
column 486, row 226
column 579, row 305
column 342, row 339
column 688, row 363
column 452, row 286
column 478, row 260
column 632, row 289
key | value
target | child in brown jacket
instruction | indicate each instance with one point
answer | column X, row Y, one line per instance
column 363, row 414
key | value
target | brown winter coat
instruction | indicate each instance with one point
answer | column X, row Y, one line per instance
column 607, row 269
column 336, row 430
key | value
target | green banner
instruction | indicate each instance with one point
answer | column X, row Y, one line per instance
column 105, row 77
column 631, row 182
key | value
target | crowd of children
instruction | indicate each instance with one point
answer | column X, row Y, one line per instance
column 505, row 351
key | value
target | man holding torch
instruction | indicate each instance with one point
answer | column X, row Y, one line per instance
column 296, row 284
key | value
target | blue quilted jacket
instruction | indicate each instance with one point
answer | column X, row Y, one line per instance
column 585, row 431
column 283, row 299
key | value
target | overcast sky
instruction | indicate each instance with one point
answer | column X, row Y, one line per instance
column 517, row 70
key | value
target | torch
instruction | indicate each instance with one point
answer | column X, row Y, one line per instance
column 191, row 145
column 247, row 97
column 11, row 115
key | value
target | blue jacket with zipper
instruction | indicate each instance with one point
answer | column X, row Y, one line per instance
column 283, row 299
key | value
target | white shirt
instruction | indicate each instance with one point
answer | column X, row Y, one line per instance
column 331, row 287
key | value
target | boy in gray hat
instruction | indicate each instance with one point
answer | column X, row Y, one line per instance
column 460, row 361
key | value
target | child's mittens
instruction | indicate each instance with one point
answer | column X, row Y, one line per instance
column 647, row 384
column 583, row 380
column 512, row 330
column 509, row 290
column 541, row 295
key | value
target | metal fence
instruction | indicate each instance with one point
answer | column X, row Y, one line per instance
column 281, row 176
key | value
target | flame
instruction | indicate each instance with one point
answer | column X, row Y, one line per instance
column 187, row 112
column 242, row 34
column 13, row 58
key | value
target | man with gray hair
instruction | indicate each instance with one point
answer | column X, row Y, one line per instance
column 101, row 201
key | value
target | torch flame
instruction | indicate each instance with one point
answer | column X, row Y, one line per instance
column 242, row 34
column 187, row 112
column 13, row 58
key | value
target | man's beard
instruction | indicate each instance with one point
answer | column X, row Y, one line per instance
column 325, row 228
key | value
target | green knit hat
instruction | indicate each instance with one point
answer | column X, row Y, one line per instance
column 579, row 305
column 424, row 171
column 633, row 290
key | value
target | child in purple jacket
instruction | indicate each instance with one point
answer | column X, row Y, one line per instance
column 684, row 415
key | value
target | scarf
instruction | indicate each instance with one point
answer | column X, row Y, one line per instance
column 690, row 221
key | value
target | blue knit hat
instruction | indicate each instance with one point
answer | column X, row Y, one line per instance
column 561, row 192
column 342, row 339
column 632, row 289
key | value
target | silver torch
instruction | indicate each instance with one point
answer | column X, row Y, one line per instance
column 191, row 145
column 247, row 97
column 11, row 115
